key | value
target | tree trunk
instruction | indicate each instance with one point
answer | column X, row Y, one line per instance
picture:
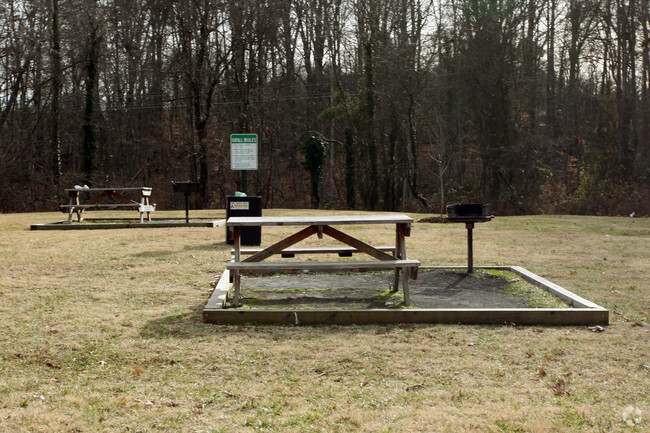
column 89, row 148
column 56, row 97
column 350, row 165
column 550, row 70
column 371, row 145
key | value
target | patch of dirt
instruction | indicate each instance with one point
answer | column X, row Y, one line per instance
column 439, row 288
column 432, row 219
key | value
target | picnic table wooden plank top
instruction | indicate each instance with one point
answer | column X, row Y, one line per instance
column 97, row 205
column 319, row 220
column 110, row 188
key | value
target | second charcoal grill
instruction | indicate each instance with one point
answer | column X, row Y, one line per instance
column 187, row 188
column 469, row 213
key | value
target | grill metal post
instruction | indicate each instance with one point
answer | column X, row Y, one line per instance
column 470, row 249
column 187, row 207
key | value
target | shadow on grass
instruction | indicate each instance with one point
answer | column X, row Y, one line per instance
column 153, row 254
column 169, row 253
column 209, row 247
column 190, row 325
column 184, row 325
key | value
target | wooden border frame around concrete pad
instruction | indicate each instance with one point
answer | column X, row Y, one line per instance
column 129, row 223
column 584, row 312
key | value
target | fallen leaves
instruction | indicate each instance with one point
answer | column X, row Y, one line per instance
column 558, row 384
column 560, row 387
column 138, row 371
column 596, row 328
column 414, row 387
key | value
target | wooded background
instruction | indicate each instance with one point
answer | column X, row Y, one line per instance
column 530, row 105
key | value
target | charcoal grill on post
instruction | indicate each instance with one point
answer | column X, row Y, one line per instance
column 469, row 214
column 186, row 188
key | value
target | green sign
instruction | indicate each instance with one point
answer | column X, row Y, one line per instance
column 243, row 151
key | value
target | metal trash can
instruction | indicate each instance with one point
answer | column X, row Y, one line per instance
column 238, row 206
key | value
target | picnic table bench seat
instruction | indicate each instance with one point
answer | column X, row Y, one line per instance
column 411, row 265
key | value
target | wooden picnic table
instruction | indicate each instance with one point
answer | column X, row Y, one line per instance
column 322, row 225
column 98, row 197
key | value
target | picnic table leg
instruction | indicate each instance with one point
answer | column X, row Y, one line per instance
column 236, row 300
column 142, row 203
column 74, row 200
column 396, row 280
column 405, row 288
column 146, row 200
column 400, row 254
column 236, row 235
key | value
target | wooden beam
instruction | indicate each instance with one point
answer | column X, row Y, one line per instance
column 279, row 246
column 355, row 243
column 520, row 316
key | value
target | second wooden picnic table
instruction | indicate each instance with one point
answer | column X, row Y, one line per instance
column 322, row 225
column 75, row 205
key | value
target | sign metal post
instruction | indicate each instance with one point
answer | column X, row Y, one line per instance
column 243, row 154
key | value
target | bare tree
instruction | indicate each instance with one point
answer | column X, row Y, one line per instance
column 202, row 58
column 55, row 50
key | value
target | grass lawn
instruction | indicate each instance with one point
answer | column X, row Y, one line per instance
column 101, row 331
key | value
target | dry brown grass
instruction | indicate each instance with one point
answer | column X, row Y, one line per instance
column 102, row 331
